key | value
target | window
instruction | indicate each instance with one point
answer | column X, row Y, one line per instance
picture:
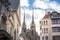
column 46, row 37
column 45, row 30
column 55, row 29
column 55, row 15
column 55, row 21
column 40, row 27
column 56, row 37
column 42, row 22
column 43, row 38
column 46, row 22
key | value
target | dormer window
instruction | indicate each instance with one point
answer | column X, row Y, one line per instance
column 55, row 15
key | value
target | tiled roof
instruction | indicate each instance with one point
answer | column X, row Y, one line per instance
column 46, row 16
column 50, row 13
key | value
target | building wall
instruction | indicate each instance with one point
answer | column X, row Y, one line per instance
column 13, row 24
column 49, row 30
column 49, row 25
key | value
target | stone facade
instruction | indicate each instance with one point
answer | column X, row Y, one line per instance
column 9, row 22
column 4, row 8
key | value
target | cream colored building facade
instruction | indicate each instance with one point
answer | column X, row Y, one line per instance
column 50, row 26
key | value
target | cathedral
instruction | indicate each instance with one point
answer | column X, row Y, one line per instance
column 29, row 34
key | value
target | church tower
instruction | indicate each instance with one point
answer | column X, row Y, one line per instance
column 30, row 34
column 33, row 29
column 24, row 25
column 32, row 23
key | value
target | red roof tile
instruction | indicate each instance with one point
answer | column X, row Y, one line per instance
column 46, row 16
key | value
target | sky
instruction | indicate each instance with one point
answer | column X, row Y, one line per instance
column 39, row 7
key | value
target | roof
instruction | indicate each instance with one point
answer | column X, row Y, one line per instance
column 47, row 15
column 14, row 4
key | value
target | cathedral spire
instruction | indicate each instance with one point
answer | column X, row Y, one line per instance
column 24, row 24
column 32, row 23
column 33, row 17
column 24, row 17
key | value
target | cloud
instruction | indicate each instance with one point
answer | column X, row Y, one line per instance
column 24, row 2
column 41, row 4
column 55, row 5
column 47, row 4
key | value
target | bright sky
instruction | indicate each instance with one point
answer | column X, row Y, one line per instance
column 39, row 7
